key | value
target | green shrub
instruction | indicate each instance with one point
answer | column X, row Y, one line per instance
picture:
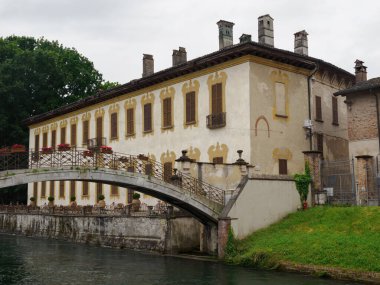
column 231, row 250
column 303, row 181
column 101, row 197
column 50, row 198
column 136, row 196
column 32, row 199
column 72, row 198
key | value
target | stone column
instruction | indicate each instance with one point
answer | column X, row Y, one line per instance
column 224, row 225
column 314, row 158
column 364, row 175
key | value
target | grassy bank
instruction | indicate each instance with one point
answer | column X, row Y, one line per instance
column 331, row 237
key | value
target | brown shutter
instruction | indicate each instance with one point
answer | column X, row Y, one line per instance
column 130, row 196
column 44, row 139
column 318, row 108
column 148, row 169
column 72, row 188
column 114, row 126
column 167, row 171
column 217, row 102
column 167, row 112
column 147, row 117
column 85, row 133
column 53, row 138
column 52, row 188
column 85, row 188
column 99, row 190
column 36, row 142
column 130, row 121
column 73, row 135
column 218, row 159
column 62, row 189
column 63, row 135
column 35, row 190
column 335, row 110
column 283, row 166
column 99, row 131
column 320, row 142
column 43, row 189
column 190, row 107
column 214, row 100
column 114, row 190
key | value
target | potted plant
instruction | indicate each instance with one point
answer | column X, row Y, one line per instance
column 63, row 147
column 47, row 150
column 18, row 148
column 106, row 149
column 303, row 181
column 101, row 203
column 4, row 151
column 32, row 201
column 88, row 153
column 51, row 201
column 73, row 203
column 136, row 203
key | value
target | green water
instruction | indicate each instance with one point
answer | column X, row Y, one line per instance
column 39, row 261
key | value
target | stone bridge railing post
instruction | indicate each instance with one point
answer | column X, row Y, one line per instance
column 314, row 158
column 184, row 163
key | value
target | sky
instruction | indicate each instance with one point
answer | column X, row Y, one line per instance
column 114, row 34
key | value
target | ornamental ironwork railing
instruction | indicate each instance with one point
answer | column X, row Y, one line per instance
column 108, row 159
column 214, row 121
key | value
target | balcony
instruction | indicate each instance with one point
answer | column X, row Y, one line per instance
column 215, row 121
column 96, row 143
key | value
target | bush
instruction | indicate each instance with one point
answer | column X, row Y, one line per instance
column 136, row 196
column 72, row 198
column 230, row 251
column 101, row 197
column 50, row 198
column 302, row 183
column 32, row 199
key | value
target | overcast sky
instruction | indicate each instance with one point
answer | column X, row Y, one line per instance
column 115, row 33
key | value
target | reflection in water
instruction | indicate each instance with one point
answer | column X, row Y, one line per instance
column 39, row 261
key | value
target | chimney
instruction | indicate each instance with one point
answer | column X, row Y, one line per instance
column 148, row 65
column 266, row 36
column 300, row 43
column 360, row 71
column 225, row 33
column 179, row 56
column 244, row 38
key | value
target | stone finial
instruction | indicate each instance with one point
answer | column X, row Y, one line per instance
column 179, row 56
column 148, row 65
column 360, row 71
column 301, row 43
column 240, row 161
column 225, row 33
column 184, row 157
column 244, row 38
column 265, row 29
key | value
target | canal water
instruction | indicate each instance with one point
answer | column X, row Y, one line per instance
column 38, row 261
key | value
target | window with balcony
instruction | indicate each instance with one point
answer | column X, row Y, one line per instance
column 52, row 188
column 217, row 118
column 73, row 135
column 85, row 188
column 44, row 139
column 53, row 138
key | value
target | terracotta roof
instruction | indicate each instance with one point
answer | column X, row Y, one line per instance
column 220, row 56
column 373, row 83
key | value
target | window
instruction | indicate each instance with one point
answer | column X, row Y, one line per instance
column 167, row 113
column 167, row 171
column 99, row 127
column 36, row 142
column 99, row 191
column 85, row 131
column 318, row 108
column 320, row 142
column 130, row 196
column 52, row 188
column 61, row 189
column 63, row 135
column 335, row 111
column 73, row 135
column 216, row 99
column 280, row 99
column 148, row 117
column 190, row 107
column 72, row 189
column 130, row 122
column 85, row 188
column 148, row 169
column 114, row 133
column 53, row 138
column 35, row 189
column 114, row 190
column 283, row 166
column 43, row 189
column 218, row 159
column 44, row 139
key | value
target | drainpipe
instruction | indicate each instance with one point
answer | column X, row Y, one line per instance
column 309, row 101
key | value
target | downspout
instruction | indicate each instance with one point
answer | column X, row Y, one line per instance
column 309, row 101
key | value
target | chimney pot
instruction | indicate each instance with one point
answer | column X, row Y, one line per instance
column 300, row 43
column 360, row 71
column 244, row 38
column 225, row 33
column 179, row 56
column 148, row 65
column 265, row 29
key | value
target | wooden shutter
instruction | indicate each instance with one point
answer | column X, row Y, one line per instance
column 99, row 127
column 114, row 126
column 318, row 108
column 61, row 189
column 99, row 190
column 283, row 166
column 43, row 189
column 167, row 112
column 130, row 196
column 218, row 159
column 73, row 135
column 167, row 171
column 36, row 142
column 147, row 117
column 85, row 132
column 114, row 190
column 130, row 122
column 335, row 110
column 72, row 188
column 320, row 142
column 44, row 140
column 52, row 188
column 53, row 138
column 217, row 104
column 190, row 107
column 63, row 135
column 85, row 188
column 35, row 190
column 148, row 169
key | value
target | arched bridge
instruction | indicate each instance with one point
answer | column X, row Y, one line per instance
column 202, row 200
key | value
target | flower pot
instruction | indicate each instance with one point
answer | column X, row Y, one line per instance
column 106, row 151
column 32, row 203
column 73, row 204
column 136, row 203
column 102, row 204
column 51, row 204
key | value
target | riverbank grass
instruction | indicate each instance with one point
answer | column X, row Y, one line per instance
column 332, row 237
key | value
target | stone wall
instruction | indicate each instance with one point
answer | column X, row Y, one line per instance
column 154, row 234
